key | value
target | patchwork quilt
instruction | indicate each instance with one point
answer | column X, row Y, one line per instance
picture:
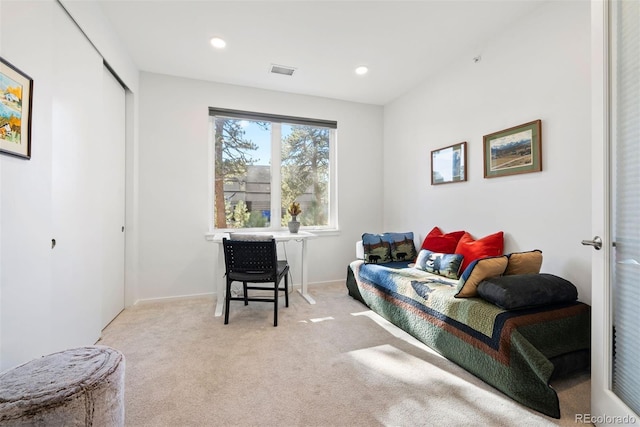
column 508, row 349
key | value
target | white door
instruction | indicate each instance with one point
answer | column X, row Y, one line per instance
column 615, row 373
column 76, row 101
column 112, row 171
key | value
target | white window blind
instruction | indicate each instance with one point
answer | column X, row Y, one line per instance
column 626, row 139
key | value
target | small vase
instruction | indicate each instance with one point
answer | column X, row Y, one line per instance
column 294, row 225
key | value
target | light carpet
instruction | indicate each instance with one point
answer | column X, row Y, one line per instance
column 334, row 363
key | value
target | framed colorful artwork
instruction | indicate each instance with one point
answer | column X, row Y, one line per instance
column 16, row 93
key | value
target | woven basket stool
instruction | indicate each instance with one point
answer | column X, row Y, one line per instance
column 77, row 387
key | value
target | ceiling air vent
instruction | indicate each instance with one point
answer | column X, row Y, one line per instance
column 282, row 69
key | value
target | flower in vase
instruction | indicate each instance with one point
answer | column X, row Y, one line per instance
column 294, row 209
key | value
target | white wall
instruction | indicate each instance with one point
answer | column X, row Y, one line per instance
column 174, row 258
column 25, row 218
column 537, row 69
column 50, row 298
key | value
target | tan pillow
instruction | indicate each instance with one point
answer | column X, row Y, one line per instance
column 524, row 263
column 478, row 271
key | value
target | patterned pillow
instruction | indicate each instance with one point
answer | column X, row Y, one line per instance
column 376, row 250
column 447, row 265
column 401, row 245
column 478, row 271
column 524, row 263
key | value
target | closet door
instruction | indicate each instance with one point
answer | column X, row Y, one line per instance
column 112, row 191
column 76, row 91
column 615, row 374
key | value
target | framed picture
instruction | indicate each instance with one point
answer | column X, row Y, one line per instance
column 449, row 164
column 15, row 111
column 513, row 151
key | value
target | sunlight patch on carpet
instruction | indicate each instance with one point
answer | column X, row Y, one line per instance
column 321, row 319
column 390, row 370
column 388, row 361
column 396, row 332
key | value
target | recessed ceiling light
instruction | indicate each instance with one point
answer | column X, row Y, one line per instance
column 362, row 70
column 218, row 43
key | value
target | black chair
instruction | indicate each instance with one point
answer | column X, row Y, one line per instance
column 254, row 261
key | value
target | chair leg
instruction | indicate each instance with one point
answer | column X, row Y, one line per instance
column 275, row 305
column 286, row 290
column 227, row 300
column 246, row 295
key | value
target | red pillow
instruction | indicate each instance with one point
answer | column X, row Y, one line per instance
column 471, row 250
column 437, row 241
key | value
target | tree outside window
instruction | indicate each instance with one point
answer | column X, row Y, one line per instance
column 305, row 173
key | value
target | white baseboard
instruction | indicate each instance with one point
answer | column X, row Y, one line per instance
column 175, row 298
column 329, row 282
column 213, row 294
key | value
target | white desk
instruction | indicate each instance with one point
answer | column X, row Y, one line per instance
column 280, row 236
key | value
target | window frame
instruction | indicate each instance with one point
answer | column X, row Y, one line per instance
column 276, row 158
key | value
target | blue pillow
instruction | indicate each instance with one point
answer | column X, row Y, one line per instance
column 401, row 246
column 447, row 265
column 376, row 250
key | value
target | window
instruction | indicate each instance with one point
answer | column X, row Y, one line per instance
column 248, row 192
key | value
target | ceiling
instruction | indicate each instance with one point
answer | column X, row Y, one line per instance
column 401, row 42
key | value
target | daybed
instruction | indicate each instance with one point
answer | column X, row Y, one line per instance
column 502, row 320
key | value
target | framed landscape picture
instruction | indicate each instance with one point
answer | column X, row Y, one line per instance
column 513, row 151
column 449, row 164
column 15, row 111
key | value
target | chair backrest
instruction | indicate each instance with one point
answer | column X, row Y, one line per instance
column 250, row 256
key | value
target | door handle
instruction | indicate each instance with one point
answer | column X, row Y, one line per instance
column 596, row 243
